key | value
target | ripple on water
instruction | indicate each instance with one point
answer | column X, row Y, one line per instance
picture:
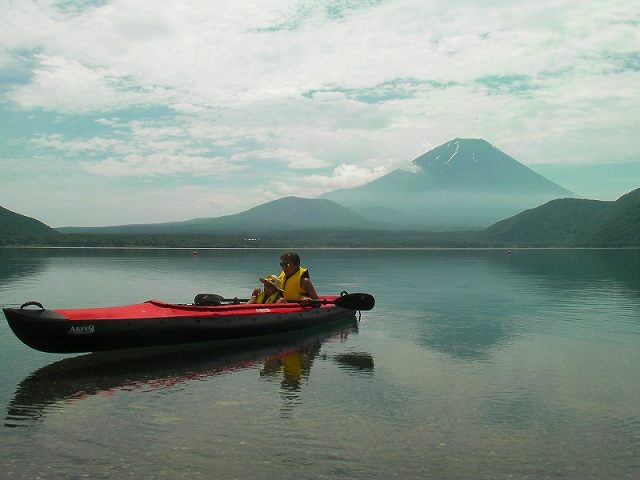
column 29, row 415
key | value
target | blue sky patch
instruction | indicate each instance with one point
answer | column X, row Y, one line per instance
column 507, row 84
column 397, row 89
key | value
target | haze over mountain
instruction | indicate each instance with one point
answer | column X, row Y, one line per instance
column 574, row 222
column 465, row 183
column 284, row 214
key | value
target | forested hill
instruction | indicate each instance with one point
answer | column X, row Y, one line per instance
column 14, row 225
column 573, row 222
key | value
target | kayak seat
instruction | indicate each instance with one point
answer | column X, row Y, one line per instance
column 207, row 300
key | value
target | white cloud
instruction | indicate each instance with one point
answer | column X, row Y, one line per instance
column 343, row 176
column 159, row 164
column 60, row 143
column 66, row 85
column 201, row 54
column 295, row 159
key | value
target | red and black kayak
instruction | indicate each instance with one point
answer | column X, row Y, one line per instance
column 155, row 323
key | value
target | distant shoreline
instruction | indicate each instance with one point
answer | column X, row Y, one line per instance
column 282, row 248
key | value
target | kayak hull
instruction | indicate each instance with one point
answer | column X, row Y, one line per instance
column 154, row 323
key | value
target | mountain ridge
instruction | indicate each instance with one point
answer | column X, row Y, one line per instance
column 566, row 222
column 287, row 213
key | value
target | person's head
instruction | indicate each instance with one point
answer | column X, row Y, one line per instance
column 290, row 263
column 271, row 284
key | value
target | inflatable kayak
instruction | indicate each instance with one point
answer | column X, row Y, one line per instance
column 155, row 323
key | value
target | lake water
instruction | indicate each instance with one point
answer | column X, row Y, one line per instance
column 474, row 364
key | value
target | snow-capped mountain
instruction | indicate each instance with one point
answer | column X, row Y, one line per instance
column 464, row 183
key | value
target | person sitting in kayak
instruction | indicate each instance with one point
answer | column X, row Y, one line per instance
column 272, row 292
column 295, row 279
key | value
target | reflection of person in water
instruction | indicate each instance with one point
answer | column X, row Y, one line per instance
column 294, row 367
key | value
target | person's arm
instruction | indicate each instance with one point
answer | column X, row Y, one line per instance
column 308, row 287
column 254, row 295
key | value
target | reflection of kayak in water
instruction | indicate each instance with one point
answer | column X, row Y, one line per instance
column 106, row 373
column 155, row 323
column 355, row 361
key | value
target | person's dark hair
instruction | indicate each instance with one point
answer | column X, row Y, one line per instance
column 292, row 257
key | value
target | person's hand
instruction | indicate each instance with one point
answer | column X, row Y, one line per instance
column 256, row 292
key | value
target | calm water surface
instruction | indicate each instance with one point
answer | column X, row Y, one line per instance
column 473, row 365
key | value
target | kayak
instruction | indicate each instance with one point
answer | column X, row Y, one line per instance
column 155, row 323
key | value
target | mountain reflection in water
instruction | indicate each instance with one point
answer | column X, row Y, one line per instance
column 73, row 379
column 28, row 266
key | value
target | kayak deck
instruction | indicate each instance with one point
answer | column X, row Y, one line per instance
column 158, row 309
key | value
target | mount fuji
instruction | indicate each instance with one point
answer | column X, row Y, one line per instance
column 464, row 183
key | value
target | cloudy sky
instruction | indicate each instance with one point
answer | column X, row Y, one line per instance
column 133, row 111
